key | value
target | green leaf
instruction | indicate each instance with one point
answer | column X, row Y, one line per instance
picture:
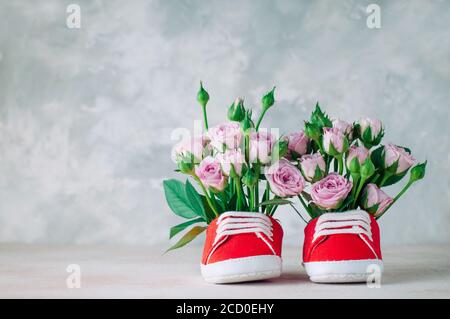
column 345, row 205
column 195, row 200
column 393, row 168
column 276, row 201
column 332, row 151
column 176, row 229
column 177, row 199
column 306, row 196
column 356, row 129
column 188, row 237
column 208, row 211
column 231, row 205
column 377, row 157
column 394, row 179
column 316, row 211
column 367, row 135
column 320, row 118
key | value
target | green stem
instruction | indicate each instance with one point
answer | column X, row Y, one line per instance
column 260, row 119
column 266, row 196
column 385, row 177
column 214, row 201
column 355, row 179
column 299, row 213
column 247, row 149
column 223, row 198
column 239, row 194
column 340, row 165
column 273, row 209
column 404, row 189
column 304, row 205
column 360, row 186
column 205, row 118
column 213, row 208
column 256, row 190
column 256, row 197
column 251, row 199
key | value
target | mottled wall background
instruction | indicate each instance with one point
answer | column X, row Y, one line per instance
column 86, row 114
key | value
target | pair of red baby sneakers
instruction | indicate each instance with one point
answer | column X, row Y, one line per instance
column 246, row 246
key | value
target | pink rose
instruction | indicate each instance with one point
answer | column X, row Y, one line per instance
column 329, row 192
column 345, row 127
column 375, row 127
column 298, row 142
column 392, row 153
column 261, row 146
column 285, row 179
column 227, row 134
column 376, row 201
column 360, row 152
column 194, row 146
column 309, row 164
column 334, row 136
column 210, row 173
column 231, row 157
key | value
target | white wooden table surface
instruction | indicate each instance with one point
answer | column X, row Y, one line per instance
column 39, row 271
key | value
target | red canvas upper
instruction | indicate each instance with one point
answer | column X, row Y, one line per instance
column 340, row 247
column 241, row 245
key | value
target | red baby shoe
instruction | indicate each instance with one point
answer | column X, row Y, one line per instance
column 242, row 246
column 342, row 247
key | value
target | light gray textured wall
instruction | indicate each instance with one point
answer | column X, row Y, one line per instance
column 86, row 115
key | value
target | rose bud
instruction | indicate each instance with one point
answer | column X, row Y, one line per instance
column 210, row 174
column 250, row 177
column 261, row 144
column 194, row 146
column 370, row 131
column 354, row 168
column 359, row 152
column 396, row 159
column 312, row 131
column 334, row 141
column 312, row 167
column 285, row 179
column 202, row 96
column 344, row 127
column 418, row 172
column 374, row 200
column 331, row 191
column 247, row 123
column 225, row 135
column 232, row 162
column 268, row 100
column 367, row 169
column 236, row 111
column 186, row 163
column 298, row 143
column 319, row 118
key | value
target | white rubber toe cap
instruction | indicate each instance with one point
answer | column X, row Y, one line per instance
column 343, row 271
column 242, row 269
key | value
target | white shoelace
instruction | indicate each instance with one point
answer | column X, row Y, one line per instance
column 353, row 222
column 234, row 223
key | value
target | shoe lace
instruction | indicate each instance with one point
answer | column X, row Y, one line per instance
column 234, row 223
column 354, row 222
column 343, row 223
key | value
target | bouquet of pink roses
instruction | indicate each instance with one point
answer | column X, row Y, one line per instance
column 329, row 166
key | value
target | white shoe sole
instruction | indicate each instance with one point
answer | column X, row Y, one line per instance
column 242, row 269
column 344, row 271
